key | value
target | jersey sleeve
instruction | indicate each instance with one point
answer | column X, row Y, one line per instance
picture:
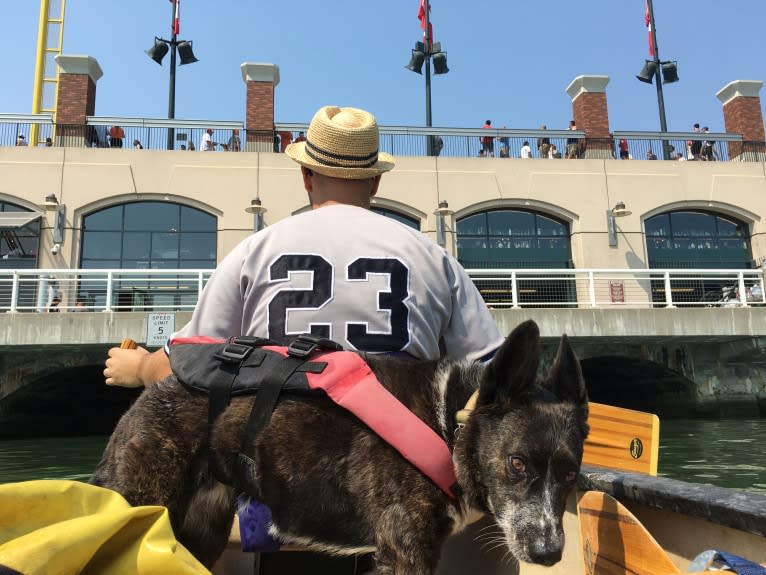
column 472, row 332
column 219, row 310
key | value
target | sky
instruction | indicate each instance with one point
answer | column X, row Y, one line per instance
column 509, row 61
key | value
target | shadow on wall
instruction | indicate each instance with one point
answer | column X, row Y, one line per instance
column 70, row 402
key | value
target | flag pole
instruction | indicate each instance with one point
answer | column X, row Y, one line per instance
column 174, row 25
column 658, row 78
column 429, row 44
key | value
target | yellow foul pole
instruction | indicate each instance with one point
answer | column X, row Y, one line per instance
column 50, row 38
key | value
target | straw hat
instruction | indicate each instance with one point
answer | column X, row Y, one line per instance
column 342, row 143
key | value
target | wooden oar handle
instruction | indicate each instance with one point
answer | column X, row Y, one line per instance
column 128, row 343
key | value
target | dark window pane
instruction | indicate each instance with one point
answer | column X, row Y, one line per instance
column 152, row 216
column 549, row 227
column 193, row 220
column 101, row 245
column 198, row 245
column 658, row 226
column 104, row 220
column 165, row 246
column 406, row 220
column 472, row 225
column 136, row 245
column 689, row 224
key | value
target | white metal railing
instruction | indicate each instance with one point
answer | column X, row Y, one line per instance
column 34, row 290
column 619, row 288
column 23, row 290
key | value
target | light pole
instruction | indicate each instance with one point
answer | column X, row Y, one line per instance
column 652, row 69
column 423, row 53
column 184, row 49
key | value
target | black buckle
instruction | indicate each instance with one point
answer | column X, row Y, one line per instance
column 252, row 341
column 305, row 344
column 234, row 352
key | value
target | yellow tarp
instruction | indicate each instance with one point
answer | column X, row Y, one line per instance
column 56, row 527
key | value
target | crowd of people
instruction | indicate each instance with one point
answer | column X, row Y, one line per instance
column 702, row 148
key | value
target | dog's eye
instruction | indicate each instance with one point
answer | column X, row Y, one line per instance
column 517, row 464
column 571, row 476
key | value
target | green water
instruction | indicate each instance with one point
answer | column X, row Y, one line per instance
column 725, row 452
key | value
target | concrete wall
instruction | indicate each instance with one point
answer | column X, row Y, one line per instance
column 223, row 184
column 713, row 358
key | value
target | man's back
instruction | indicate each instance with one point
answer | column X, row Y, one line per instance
column 354, row 276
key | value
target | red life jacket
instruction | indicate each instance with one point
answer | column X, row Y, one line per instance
column 306, row 366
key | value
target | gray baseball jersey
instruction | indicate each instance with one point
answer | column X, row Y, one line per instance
column 362, row 279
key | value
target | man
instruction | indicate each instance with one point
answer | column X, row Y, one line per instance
column 339, row 270
column 235, row 144
column 21, row 140
column 487, row 144
column 207, row 144
column 398, row 292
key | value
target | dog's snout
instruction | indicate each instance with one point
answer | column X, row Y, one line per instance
column 546, row 557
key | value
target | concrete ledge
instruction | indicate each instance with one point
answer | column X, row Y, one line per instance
column 648, row 325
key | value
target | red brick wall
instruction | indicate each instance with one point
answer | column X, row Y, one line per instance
column 743, row 115
column 591, row 114
column 76, row 98
column 260, row 106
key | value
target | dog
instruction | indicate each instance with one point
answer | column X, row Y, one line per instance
column 335, row 486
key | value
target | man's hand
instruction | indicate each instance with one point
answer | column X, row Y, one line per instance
column 124, row 367
column 136, row 367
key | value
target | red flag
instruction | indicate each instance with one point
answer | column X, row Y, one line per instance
column 422, row 18
column 648, row 24
column 176, row 16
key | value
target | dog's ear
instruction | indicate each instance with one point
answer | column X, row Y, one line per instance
column 565, row 378
column 513, row 370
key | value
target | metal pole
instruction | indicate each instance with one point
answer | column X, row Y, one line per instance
column 172, row 87
column 429, row 45
column 658, row 78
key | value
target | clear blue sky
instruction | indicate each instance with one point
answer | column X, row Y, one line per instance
column 509, row 61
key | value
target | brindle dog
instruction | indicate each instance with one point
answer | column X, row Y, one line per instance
column 335, row 486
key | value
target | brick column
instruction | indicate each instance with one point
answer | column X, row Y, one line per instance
column 588, row 95
column 742, row 115
column 76, row 97
column 261, row 80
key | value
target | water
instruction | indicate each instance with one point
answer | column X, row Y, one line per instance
column 722, row 452
column 726, row 453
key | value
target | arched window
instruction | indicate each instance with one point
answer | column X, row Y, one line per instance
column 406, row 220
column 516, row 239
column 695, row 240
column 147, row 235
column 513, row 239
column 19, row 236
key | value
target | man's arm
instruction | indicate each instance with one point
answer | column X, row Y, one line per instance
column 136, row 367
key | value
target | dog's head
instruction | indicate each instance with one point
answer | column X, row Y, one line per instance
column 520, row 452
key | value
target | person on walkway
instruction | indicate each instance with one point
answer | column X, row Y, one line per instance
column 487, row 143
column 234, row 145
column 543, row 144
column 116, row 136
column 572, row 143
column 207, row 144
